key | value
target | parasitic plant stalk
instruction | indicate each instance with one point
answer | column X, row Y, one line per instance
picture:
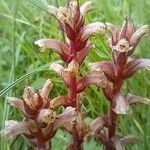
column 41, row 119
column 120, row 68
column 73, row 52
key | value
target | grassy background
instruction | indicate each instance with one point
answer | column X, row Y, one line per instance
column 21, row 64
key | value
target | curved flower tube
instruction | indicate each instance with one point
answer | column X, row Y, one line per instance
column 41, row 120
column 71, row 20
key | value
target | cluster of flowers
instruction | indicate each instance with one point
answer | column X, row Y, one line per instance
column 41, row 121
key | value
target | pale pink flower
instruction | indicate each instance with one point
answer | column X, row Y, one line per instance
column 71, row 20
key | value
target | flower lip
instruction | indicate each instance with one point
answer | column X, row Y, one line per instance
column 122, row 106
column 122, row 46
column 46, row 116
column 127, row 32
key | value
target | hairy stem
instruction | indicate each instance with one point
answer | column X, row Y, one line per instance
column 113, row 116
column 113, row 121
column 77, row 142
column 73, row 90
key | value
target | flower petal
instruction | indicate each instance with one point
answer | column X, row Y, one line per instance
column 106, row 67
column 122, row 106
column 58, row 101
column 97, row 124
column 132, row 66
column 57, row 45
column 61, row 72
column 14, row 128
column 86, row 7
column 73, row 68
column 57, row 68
column 97, row 78
column 46, row 116
column 132, row 99
column 92, row 28
column 135, row 38
column 127, row 30
column 129, row 139
column 117, row 143
column 67, row 116
column 83, row 53
column 15, row 102
column 113, row 31
column 46, row 89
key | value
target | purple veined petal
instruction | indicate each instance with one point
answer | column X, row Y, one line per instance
column 61, row 72
column 129, row 139
column 73, row 68
column 97, row 124
column 113, row 31
column 56, row 45
column 92, row 28
column 130, row 29
column 57, row 68
column 98, row 78
column 46, row 116
column 15, row 102
column 135, row 38
column 46, row 89
column 52, row 10
column 132, row 66
column 117, row 143
column 67, row 116
column 30, row 97
column 122, row 34
column 83, row 53
column 86, row 7
column 133, row 99
column 107, row 67
column 68, row 127
column 15, row 128
column 121, row 105
column 58, row 101
column 127, row 30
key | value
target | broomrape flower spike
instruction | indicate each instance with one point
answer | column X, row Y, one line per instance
column 41, row 122
column 71, row 21
column 122, row 44
column 127, row 38
column 40, row 112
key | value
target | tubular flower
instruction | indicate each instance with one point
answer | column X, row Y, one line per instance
column 127, row 38
column 71, row 21
column 37, row 135
column 122, row 44
column 36, row 105
column 83, row 129
column 97, row 77
column 41, row 120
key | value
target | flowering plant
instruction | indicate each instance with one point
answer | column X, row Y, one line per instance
column 41, row 119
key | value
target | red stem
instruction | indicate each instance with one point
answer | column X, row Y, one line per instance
column 77, row 142
column 113, row 116
column 73, row 89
